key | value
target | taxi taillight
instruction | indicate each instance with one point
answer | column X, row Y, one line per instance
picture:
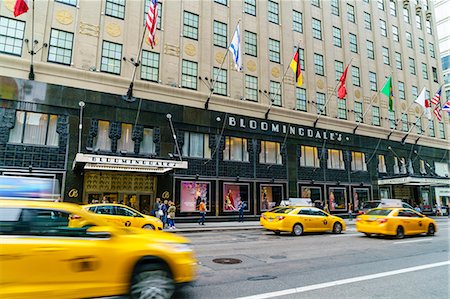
column 382, row 220
column 280, row 217
column 75, row 217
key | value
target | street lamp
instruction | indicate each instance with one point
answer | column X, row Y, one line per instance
column 80, row 125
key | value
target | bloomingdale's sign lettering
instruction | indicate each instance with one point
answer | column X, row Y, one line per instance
column 273, row 127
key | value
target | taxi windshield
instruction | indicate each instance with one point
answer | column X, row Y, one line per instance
column 379, row 212
column 280, row 210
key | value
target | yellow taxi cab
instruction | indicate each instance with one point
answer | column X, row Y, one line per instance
column 300, row 219
column 58, row 250
column 122, row 215
column 394, row 221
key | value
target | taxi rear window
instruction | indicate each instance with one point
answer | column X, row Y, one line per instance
column 380, row 212
column 283, row 210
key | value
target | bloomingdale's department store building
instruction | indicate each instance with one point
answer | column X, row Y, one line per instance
column 255, row 160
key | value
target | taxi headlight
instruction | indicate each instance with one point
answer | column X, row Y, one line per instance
column 181, row 247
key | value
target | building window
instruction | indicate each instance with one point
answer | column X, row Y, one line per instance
column 220, row 76
column 409, row 40
column 196, row 145
column 353, row 43
column 335, row 159
column 421, row 46
column 431, row 49
column 297, row 19
column 250, row 44
column 401, row 90
column 373, row 81
column 335, row 7
column 355, row 76
column 402, row 165
column 412, row 66
column 320, row 103
column 339, row 69
column 431, row 128
column 376, row 116
column 309, row 157
column 223, row 2
column 11, row 36
column 385, row 52
column 34, row 128
column 370, row 53
column 315, row 3
column 441, row 130
column 300, row 94
column 190, row 25
column 250, row 7
column 159, row 16
column 115, row 8
column 428, row 24
column 272, row 14
column 381, row 164
column 235, row 149
column 380, row 4
column 418, row 21
column 367, row 21
column 60, row 47
column 316, row 29
column 220, row 34
column 398, row 60
column 150, row 66
column 419, row 125
column 414, row 91
column 274, row 50
column 350, row 13
column 393, row 8
column 147, row 146
column 126, row 143
column 275, row 93
column 405, row 122
column 435, row 76
column 189, row 74
column 111, row 58
column 383, row 28
column 68, row 2
column 337, row 37
column 342, row 109
column 251, row 88
column 392, row 123
column 424, row 71
column 102, row 141
column 359, row 161
column 318, row 64
column 358, row 111
column 301, row 57
column 406, row 15
column 422, row 167
column 395, row 33
column 270, row 153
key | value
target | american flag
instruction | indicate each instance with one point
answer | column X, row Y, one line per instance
column 150, row 22
column 437, row 97
column 437, row 112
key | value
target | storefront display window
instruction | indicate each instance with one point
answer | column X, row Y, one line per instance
column 270, row 196
column 385, row 193
column 337, row 198
column 233, row 194
column 192, row 193
column 360, row 195
column 315, row 193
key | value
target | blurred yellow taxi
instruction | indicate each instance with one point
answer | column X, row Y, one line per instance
column 46, row 253
column 395, row 221
column 122, row 215
column 300, row 219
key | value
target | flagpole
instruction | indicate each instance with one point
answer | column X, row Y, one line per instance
column 398, row 120
column 329, row 97
column 412, row 127
column 31, row 73
column 368, row 108
column 211, row 90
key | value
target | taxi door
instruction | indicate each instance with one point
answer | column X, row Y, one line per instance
column 319, row 220
column 107, row 213
column 418, row 225
column 128, row 217
column 409, row 224
column 304, row 217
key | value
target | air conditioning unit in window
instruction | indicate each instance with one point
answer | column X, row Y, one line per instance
column 428, row 15
column 418, row 8
column 405, row 3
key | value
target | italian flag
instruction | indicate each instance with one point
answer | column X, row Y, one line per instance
column 20, row 7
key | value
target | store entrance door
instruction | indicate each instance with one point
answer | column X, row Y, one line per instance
column 145, row 204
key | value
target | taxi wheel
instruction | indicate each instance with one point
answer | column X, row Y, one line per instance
column 337, row 228
column 431, row 230
column 277, row 232
column 297, row 229
column 152, row 281
column 368, row 235
column 400, row 233
column 148, row 226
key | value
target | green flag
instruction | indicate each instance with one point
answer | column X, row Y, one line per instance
column 387, row 91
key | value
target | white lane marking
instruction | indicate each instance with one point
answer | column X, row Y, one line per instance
column 343, row 281
column 345, row 235
column 413, row 241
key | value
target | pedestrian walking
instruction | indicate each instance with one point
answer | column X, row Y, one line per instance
column 156, row 207
column 202, row 209
column 326, row 209
column 164, row 207
column 171, row 215
column 350, row 212
column 241, row 207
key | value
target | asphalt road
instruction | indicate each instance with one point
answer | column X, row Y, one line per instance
column 349, row 265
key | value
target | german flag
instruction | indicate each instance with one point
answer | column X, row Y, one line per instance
column 297, row 68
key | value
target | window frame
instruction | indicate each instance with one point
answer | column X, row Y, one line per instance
column 273, row 12
column 331, row 163
column 304, row 162
column 108, row 58
column 145, row 66
column 300, row 99
column 263, row 153
column 185, row 75
column 245, row 157
column 190, row 25
column 23, row 128
column 206, row 151
column 16, row 40
column 220, row 39
column 115, row 5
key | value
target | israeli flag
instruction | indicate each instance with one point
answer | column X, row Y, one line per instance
column 235, row 48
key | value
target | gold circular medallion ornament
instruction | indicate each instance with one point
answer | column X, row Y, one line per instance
column 403, row 106
column 357, row 93
column 64, row 17
column 190, row 50
column 219, row 57
column 251, row 66
column 10, row 4
column 113, row 29
column 320, row 84
column 275, row 72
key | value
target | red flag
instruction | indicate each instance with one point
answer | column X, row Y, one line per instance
column 150, row 22
column 20, row 7
column 342, row 91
